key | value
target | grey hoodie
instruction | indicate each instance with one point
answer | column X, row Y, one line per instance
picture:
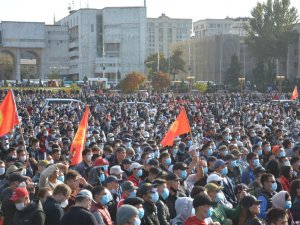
column 183, row 207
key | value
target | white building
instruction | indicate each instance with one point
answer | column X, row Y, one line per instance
column 108, row 42
column 164, row 31
column 211, row 27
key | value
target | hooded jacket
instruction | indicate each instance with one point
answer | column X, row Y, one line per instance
column 183, row 207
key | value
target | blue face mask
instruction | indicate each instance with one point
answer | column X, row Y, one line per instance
column 165, row 193
column 139, row 173
column 219, row 197
column 137, row 221
column 102, row 178
column 259, row 152
column 205, row 170
column 104, row 199
column 259, row 143
column 190, row 143
column 274, row 186
column 233, row 163
column 138, row 150
column 168, row 161
column 226, row 152
column 157, row 154
column 87, row 144
column 141, row 213
column 288, row 204
column 154, row 197
column 147, row 161
column 105, row 167
column 282, row 154
column 255, row 162
column 238, row 138
column 210, row 152
column 224, row 171
column 61, row 178
column 175, row 151
column 193, row 213
column 152, row 155
column 132, row 194
column 183, row 174
column 268, row 148
column 209, row 212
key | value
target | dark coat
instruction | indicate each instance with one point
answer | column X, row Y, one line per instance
column 33, row 214
column 78, row 216
column 53, row 211
column 150, row 216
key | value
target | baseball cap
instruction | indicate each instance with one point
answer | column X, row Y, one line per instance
column 110, row 179
column 213, row 177
column 230, row 157
column 180, row 166
column 258, row 170
column 115, row 170
column 275, row 148
column 110, row 135
column 128, row 186
column 201, row 199
column 172, row 177
column 18, row 193
column 43, row 163
column 219, row 163
column 16, row 177
column 85, row 194
column 213, row 187
column 135, row 165
column 11, row 169
column 249, row 200
column 101, row 162
column 144, row 188
column 236, row 152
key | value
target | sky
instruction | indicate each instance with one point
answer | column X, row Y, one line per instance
column 44, row 11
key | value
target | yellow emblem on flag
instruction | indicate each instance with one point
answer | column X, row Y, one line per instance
column 1, row 118
column 174, row 126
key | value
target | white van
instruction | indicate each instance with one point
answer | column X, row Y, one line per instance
column 50, row 102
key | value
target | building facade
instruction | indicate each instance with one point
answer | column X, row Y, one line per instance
column 32, row 50
column 164, row 31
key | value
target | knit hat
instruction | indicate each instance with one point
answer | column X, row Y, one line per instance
column 125, row 213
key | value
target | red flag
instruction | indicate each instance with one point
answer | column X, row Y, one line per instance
column 8, row 114
column 295, row 93
column 179, row 126
column 79, row 139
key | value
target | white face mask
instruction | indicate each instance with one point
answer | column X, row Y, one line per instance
column 22, row 184
column 51, row 161
column 20, row 206
column 23, row 158
column 88, row 157
column 64, row 204
column 2, row 171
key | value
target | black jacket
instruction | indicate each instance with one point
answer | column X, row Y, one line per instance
column 78, row 216
column 150, row 216
column 53, row 211
column 33, row 214
column 163, row 215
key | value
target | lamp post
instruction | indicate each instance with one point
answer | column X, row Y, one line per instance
column 176, row 82
column 190, row 79
column 242, row 82
column 280, row 79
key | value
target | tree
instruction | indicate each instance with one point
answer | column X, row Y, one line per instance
column 160, row 81
column 269, row 32
column 132, row 82
column 176, row 62
column 53, row 75
column 85, row 79
column 201, row 87
column 152, row 63
column 233, row 73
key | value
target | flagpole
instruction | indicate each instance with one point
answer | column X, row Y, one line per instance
column 20, row 126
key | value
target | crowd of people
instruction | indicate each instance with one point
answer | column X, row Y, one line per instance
column 238, row 165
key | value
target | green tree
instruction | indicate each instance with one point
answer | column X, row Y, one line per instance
column 132, row 82
column 201, row 87
column 233, row 73
column 152, row 63
column 53, row 75
column 269, row 32
column 161, row 81
column 176, row 62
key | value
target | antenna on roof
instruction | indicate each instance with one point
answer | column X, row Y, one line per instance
column 54, row 21
column 145, row 3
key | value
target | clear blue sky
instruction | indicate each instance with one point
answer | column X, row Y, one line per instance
column 43, row 11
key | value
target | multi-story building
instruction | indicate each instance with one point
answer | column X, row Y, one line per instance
column 211, row 27
column 164, row 31
column 32, row 50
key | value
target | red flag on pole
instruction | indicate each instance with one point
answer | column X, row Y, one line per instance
column 79, row 139
column 180, row 126
column 295, row 93
column 8, row 114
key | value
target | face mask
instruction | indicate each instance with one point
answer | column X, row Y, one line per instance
column 154, row 197
column 255, row 162
column 209, row 212
column 137, row 221
column 148, row 160
column 227, row 138
column 259, row 143
column 138, row 149
column 23, row 158
column 139, row 173
column 88, row 157
column 225, row 152
column 141, row 213
column 205, row 170
column 183, row 174
column 168, row 161
column 152, row 155
column 165, row 193
column 22, row 185
column 61, row 178
column 156, row 153
column 193, row 213
column 51, row 161
column 175, row 151
column 64, row 204
column 219, row 197
column 132, row 194
column 20, row 206
column 224, row 171
column 210, row 152
column 102, row 178
column 274, row 186
column 238, row 137
column 233, row 163
column 190, row 143
column 288, row 204
column 259, row 152
column 104, row 199
column 87, row 144
column 286, row 163
column 6, row 147
column 2, row 171
column 282, row 154
column 111, row 139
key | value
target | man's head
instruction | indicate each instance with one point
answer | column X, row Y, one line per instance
column 20, row 197
column 148, row 192
column 87, row 155
column 277, row 216
column 127, row 215
column 128, row 189
column 268, row 182
column 84, row 199
column 71, row 179
column 202, row 205
column 173, row 182
column 252, row 159
column 61, row 193
column 213, row 191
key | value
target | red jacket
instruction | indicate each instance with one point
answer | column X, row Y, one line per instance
column 285, row 183
column 194, row 221
column 136, row 182
column 103, row 211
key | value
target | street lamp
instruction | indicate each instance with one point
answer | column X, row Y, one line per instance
column 242, row 82
column 280, row 79
column 190, row 79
